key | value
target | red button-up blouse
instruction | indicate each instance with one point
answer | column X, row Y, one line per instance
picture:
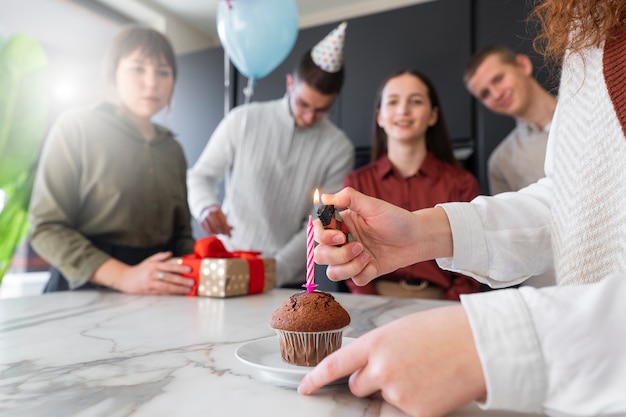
column 436, row 182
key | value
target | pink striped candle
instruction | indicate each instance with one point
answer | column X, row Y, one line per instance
column 310, row 264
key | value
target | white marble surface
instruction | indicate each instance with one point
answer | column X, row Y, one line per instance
column 20, row 284
column 89, row 353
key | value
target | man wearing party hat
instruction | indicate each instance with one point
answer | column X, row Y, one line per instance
column 272, row 156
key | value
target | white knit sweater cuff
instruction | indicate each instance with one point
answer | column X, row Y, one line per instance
column 469, row 245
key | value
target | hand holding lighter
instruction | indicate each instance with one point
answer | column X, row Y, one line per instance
column 331, row 219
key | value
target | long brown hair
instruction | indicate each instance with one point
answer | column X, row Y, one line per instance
column 575, row 24
column 437, row 137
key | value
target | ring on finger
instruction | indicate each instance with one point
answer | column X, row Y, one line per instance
column 161, row 275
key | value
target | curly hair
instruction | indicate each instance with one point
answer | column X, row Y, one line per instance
column 574, row 24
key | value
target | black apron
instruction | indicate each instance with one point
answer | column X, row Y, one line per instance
column 126, row 254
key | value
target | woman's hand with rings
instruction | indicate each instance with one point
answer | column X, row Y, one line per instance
column 155, row 275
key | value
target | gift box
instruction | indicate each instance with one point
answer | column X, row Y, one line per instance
column 220, row 273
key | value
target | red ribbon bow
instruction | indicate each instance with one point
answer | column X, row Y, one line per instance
column 212, row 247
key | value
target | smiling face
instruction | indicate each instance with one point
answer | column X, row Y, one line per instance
column 503, row 88
column 144, row 85
column 405, row 112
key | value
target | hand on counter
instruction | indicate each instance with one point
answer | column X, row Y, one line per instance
column 425, row 363
column 154, row 275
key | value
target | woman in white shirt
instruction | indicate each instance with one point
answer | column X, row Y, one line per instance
column 526, row 350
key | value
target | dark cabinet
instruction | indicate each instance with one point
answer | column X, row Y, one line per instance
column 433, row 37
column 502, row 22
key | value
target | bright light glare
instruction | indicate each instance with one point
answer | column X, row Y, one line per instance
column 65, row 91
column 3, row 198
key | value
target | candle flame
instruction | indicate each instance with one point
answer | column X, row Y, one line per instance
column 316, row 197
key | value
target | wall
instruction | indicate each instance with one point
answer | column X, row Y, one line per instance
column 197, row 105
column 425, row 36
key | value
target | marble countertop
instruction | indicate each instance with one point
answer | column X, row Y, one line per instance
column 89, row 353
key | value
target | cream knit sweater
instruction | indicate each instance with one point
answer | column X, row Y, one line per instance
column 271, row 168
column 589, row 206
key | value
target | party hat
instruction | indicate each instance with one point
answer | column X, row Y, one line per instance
column 328, row 53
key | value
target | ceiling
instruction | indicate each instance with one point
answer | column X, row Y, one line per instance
column 84, row 25
column 75, row 33
column 201, row 14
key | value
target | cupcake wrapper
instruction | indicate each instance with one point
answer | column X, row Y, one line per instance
column 308, row 348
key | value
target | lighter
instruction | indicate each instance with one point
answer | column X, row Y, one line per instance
column 331, row 219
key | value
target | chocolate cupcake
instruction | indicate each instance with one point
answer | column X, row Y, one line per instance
column 309, row 326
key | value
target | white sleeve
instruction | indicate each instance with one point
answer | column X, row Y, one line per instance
column 340, row 160
column 504, row 239
column 204, row 178
column 556, row 350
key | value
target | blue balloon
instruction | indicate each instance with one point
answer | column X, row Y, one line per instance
column 257, row 34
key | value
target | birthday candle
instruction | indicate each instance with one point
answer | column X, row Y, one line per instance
column 310, row 265
column 310, row 246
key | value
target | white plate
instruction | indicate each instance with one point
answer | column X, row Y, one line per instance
column 264, row 355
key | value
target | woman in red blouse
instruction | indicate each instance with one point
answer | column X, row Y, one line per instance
column 413, row 167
